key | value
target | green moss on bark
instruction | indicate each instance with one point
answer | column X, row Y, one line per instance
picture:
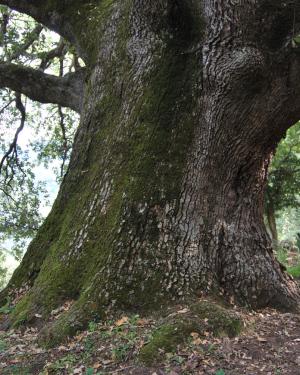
column 165, row 339
column 219, row 320
column 140, row 134
column 203, row 317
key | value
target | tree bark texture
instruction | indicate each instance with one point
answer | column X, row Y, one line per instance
column 270, row 213
column 184, row 103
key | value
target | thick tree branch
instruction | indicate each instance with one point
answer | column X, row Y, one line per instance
column 66, row 17
column 290, row 64
column 277, row 41
column 43, row 11
column 66, row 91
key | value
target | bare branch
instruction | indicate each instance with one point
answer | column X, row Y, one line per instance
column 58, row 51
column 12, row 152
column 66, row 91
column 61, row 16
column 6, row 106
column 43, row 11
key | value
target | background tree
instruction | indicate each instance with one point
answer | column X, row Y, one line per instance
column 49, row 131
column 284, row 179
column 184, row 103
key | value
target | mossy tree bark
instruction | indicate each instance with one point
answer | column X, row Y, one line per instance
column 185, row 102
column 271, row 218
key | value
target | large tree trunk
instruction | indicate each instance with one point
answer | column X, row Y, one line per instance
column 164, row 194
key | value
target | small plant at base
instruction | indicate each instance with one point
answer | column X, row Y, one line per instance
column 16, row 370
column 220, row 372
column 281, row 255
column 294, row 271
column 178, row 359
column 92, row 327
column 211, row 348
column 61, row 364
column 105, row 334
column 3, row 346
column 7, row 308
column 120, row 352
column 134, row 319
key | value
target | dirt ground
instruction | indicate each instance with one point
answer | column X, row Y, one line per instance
column 269, row 345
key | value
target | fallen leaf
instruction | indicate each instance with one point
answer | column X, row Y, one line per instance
column 62, row 348
column 183, row 311
column 122, row 321
column 261, row 339
column 97, row 365
column 78, row 370
column 143, row 322
column 197, row 341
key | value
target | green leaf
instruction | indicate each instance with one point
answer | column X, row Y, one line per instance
column 296, row 39
column 6, row 309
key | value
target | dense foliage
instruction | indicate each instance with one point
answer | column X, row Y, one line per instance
column 284, row 176
column 282, row 195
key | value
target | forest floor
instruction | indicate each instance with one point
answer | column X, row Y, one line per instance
column 269, row 344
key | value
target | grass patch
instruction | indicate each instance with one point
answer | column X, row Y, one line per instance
column 294, row 271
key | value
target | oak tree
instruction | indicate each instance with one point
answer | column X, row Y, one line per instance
column 182, row 104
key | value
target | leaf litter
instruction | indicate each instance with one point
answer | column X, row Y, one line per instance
column 269, row 345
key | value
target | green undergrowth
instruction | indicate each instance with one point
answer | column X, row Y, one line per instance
column 145, row 341
column 163, row 338
column 282, row 256
column 294, row 271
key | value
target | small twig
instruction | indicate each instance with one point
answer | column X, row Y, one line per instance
column 6, row 193
column 6, row 106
